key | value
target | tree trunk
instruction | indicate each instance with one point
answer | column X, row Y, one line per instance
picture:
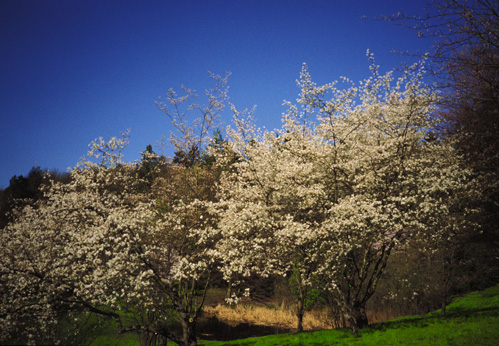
column 356, row 317
column 152, row 339
column 300, row 310
column 148, row 338
column 228, row 294
column 444, row 302
column 188, row 331
column 145, row 338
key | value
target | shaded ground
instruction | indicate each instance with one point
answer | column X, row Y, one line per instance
column 213, row 329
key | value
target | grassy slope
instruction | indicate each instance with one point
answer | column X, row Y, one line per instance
column 470, row 320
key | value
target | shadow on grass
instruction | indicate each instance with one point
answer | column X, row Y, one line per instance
column 214, row 329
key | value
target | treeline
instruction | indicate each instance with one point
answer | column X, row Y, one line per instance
column 24, row 190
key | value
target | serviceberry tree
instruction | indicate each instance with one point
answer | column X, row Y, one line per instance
column 330, row 195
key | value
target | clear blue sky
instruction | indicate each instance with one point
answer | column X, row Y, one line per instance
column 74, row 70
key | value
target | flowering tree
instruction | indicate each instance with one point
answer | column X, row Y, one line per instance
column 131, row 242
column 330, row 195
column 100, row 244
column 192, row 135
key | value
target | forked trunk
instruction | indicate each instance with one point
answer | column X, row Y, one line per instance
column 356, row 317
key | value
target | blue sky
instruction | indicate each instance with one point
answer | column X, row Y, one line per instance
column 74, row 70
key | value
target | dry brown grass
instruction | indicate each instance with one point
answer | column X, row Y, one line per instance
column 260, row 315
column 280, row 311
column 283, row 316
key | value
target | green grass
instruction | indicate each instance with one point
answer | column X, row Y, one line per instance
column 108, row 334
column 470, row 320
